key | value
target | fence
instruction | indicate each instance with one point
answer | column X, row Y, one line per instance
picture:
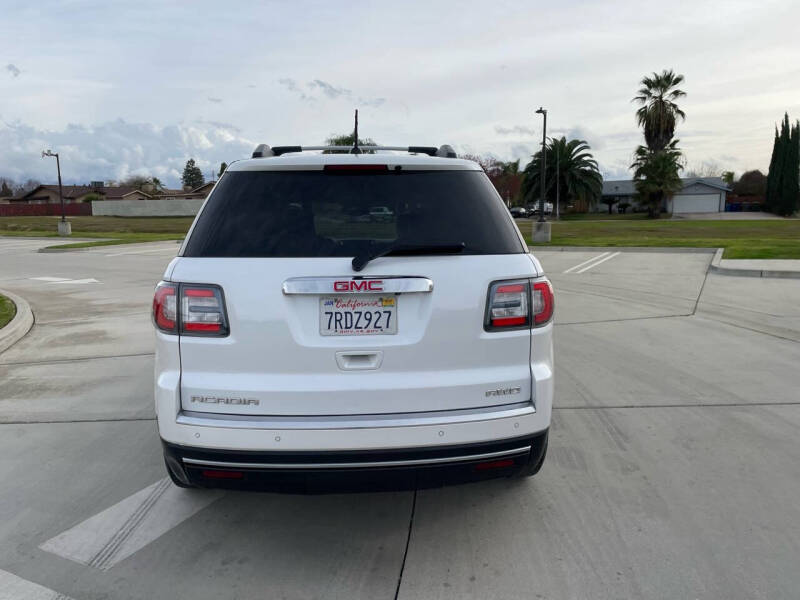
column 45, row 210
column 176, row 207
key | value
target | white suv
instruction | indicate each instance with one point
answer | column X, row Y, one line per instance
column 296, row 348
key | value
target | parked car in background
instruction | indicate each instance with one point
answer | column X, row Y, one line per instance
column 518, row 212
column 533, row 208
column 380, row 214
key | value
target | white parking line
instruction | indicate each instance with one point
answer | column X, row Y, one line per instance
column 591, row 266
column 17, row 588
column 109, row 537
column 62, row 280
column 50, row 279
column 571, row 269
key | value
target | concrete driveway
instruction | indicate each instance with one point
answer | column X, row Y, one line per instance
column 673, row 472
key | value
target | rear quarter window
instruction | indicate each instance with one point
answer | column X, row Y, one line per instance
column 324, row 213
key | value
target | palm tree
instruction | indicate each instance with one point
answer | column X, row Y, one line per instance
column 578, row 176
column 659, row 112
column 655, row 175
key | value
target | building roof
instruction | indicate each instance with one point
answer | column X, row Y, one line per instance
column 625, row 187
column 76, row 191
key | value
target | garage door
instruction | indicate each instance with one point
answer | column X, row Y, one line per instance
column 695, row 203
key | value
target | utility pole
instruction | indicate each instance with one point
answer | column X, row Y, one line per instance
column 543, row 112
column 64, row 228
column 541, row 229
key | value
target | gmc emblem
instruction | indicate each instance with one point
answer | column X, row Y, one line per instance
column 363, row 285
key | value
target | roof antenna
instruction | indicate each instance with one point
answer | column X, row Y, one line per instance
column 355, row 149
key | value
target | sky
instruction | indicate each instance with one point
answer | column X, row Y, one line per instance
column 124, row 88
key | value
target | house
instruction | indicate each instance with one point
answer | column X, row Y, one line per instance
column 199, row 192
column 48, row 194
column 699, row 195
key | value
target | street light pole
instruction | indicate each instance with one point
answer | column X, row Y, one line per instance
column 543, row 112
column 63, row 226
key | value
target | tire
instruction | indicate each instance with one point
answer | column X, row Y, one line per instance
column 536, row 459
column 175, row 479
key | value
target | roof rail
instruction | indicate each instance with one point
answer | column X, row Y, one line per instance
column 264, row 151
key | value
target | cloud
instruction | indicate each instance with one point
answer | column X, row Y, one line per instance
column 289, row 84
column 331, row 91
column 320, row 90
column 514, row 130
column 117, row 149
column 13, row 69
column 215, row 100
column 373, row 102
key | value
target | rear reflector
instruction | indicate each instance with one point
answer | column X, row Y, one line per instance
column 495, row 464
column 223, row 474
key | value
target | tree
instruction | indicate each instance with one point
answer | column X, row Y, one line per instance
column 751, row 183
column 505, row 176
column 5, row 190
column 347, row 140
column 192, row 175
column 577, row 175
column 790, row 189
column 728, row 177
column 656, row 175
column 222, row 169
column 772, row 173
column 137, row 181
column 659, row 112
column 609, row 201
column 783, row 179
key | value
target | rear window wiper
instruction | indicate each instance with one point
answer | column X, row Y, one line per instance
column 360, row 261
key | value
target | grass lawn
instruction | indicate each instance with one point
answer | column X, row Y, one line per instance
column 604, row 216
column 7, row 311
column 113, row 230
column 741, row 239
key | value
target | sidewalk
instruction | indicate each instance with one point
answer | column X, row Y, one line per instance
column 782, row 268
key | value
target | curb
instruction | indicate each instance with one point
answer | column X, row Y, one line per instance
column 19, row 325
column 716, row 267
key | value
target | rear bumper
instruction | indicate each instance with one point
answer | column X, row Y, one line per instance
column 353, row 470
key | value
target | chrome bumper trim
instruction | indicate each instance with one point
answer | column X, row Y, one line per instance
column 415, row 419
column 389, row 284
column 358, row 465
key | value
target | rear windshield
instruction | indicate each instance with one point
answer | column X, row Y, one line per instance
column 332, row 213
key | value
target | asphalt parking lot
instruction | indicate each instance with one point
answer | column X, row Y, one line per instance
column 673, row 471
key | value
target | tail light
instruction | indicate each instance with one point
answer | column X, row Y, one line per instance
column 165, row 307
column 543, row 302
column 519, row 304
column 190, row 309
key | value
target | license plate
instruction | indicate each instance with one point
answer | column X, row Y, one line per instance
column 358, row 315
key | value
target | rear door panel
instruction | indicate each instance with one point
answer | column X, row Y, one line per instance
column 275, row 362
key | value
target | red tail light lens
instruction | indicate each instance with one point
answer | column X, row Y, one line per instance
column 543, row 303
column 202, row 311
column 519, row 304
column 165, row 307
column 356, row 167
column 508, row 305
column 190, row 309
